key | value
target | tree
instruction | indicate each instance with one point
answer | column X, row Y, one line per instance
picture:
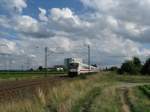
column 146, row 67
column 136, row 61
column 40, row 68
column 131, row 66
column 114, row 68
column 137, row 64
column 127, row 67
column 31, row 69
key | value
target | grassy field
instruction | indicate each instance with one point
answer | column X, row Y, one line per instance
column 102, row 92
column 26, row 74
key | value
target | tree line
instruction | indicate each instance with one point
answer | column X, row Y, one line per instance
column 133, row 66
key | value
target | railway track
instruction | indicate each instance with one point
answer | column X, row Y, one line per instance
column 12, row 89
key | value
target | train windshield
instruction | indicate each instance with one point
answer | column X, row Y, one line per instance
column 74, row 65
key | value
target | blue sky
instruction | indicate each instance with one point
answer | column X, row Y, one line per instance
column 116, row 30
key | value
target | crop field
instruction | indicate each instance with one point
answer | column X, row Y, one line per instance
column 101, row 92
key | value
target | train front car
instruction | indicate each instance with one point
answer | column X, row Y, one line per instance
column 73, row 69
column 76, row 69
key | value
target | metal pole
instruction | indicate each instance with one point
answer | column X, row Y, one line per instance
column 46, row 49
column 89, row 57
column 7, row 64
column 10, row 62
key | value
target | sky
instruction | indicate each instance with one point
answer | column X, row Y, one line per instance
column 116, row 30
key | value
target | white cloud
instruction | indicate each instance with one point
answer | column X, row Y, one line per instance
column 7, row 47
column 26, row 24
column 63, row 43
column 128, row 18
column 13, row 5
column 42, row 15
column 65, row 17
column 112, row 22
column 57, row 21
column 100, row 4
column 61, row 13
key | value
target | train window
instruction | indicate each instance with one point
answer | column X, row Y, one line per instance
column 74, row 65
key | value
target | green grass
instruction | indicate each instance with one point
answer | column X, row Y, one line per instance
column 132, row 78
column 84, row 104
column 24, row 74
column 139, row 100
column 107, row 101
column 146, row 90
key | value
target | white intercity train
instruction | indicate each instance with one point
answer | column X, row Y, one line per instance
column 76, row 67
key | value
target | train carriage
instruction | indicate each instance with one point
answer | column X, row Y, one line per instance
column 76, row 67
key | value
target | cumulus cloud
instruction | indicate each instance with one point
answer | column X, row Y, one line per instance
column 26, row 24
column 42, row 15
column 132, row 16
column 5, row 22
column 7, row 47
column 13, row 5
column 100, row 4
column 32, row 27
column 56, row 22
column 65, row 17
column 65, row 20
column 61, row 13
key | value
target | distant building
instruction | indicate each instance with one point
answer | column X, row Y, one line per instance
column 59, row 67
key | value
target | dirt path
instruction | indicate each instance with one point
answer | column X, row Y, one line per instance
column 124, row 100
column 123, row 90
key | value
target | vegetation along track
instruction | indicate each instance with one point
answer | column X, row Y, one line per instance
column 123, row 89
column 85, row 103
column 146, row 90
column 11, row 89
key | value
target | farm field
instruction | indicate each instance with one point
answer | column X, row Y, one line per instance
column 102, row 92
